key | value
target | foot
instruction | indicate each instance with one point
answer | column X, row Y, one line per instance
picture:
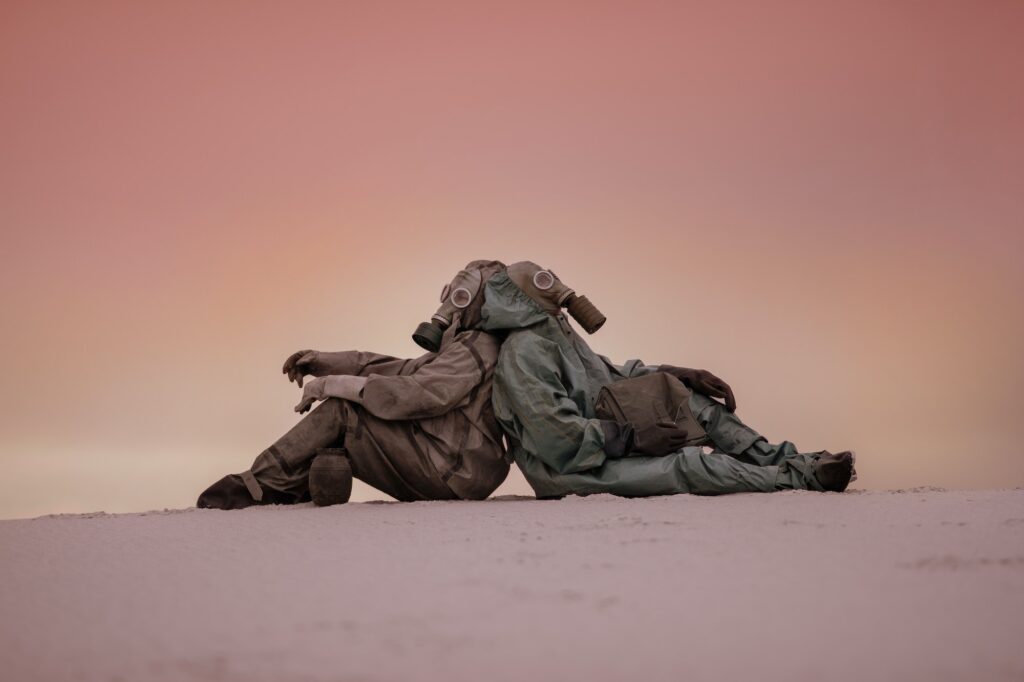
column 231, row 492
column 834, row 472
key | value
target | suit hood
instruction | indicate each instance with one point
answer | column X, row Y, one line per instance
column 506, row 307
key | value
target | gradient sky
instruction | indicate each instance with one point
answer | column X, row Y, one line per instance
column 820, row 202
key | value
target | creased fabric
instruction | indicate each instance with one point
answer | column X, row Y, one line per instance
column 546, row 382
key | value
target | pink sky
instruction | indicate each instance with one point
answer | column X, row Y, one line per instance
column 820, row 202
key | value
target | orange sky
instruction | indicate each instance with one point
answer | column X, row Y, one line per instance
column 820, row 202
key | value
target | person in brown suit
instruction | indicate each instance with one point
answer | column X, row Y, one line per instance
column 416, row 429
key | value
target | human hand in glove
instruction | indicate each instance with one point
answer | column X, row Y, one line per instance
column 314, row 391
column 704, row 382
column 341, row 386
column 299, row 365
column 659, row 439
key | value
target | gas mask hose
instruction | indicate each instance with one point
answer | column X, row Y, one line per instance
column 584, row 312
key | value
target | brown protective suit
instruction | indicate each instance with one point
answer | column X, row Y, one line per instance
column 423, row 428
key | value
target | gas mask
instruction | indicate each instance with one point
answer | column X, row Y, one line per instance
column 461, row 301
column 544, row 287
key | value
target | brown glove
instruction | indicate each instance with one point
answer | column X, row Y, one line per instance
column 300, row 364
column 703, row 382
column 313, row 392
column 342, row 386
column 659, row 439
column 618, row 438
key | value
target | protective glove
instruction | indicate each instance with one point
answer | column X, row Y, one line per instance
column 300, row 364
column 703, row 382
column 342, row 386
column 659, row 439
column 313, row 392
column 618, row 438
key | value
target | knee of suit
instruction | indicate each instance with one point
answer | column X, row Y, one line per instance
column 724, row 428
column 337, row 410
column 339, row 406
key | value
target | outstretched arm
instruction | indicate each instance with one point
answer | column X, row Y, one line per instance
column 354, row 362
column 437, row 386
column 697, row 380
column 704, row 382
column 432, row 389
column 631, row 369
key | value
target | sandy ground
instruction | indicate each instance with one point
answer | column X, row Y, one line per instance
column 908, row 585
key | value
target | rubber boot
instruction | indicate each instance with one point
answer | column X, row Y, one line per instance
column 285, row 464
column 834, row 472
column 231, row 492
column 280, row 474
column 330, row 477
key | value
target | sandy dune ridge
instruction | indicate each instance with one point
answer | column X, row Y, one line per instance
column 920, row 584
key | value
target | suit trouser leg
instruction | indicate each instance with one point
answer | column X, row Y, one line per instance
column 689, row 470
column 389, row 455
column 285, row 465
column 730, row 435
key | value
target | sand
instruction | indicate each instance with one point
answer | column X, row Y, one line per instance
column 903, row 585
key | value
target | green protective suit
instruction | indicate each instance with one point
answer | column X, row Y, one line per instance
column 545, row 385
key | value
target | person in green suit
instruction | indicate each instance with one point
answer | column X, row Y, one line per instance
column 545, row 386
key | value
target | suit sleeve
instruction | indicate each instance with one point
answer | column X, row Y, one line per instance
column 436, row 387
column 550, row 424
column 357, row 363
column 632, row 368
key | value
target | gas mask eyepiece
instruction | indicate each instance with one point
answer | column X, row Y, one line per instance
column 551, row 294
column 580, row 307
column 460, row 303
